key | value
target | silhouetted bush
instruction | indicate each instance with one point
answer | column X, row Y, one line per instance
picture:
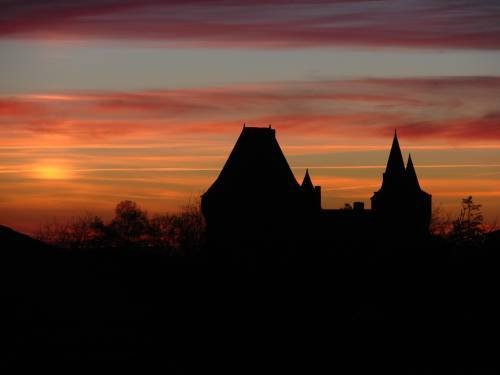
column 441, row 222
column 81, row 232
column 183, row 232
column 467, row 230
column 179, row 233
column 130, row 226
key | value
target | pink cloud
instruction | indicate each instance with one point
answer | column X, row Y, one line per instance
column 273, row 23
column 19, row 108
column 443, row 109
column 486, row 127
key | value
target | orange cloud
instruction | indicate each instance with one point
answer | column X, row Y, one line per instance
column 335, row 109
column 163, row 147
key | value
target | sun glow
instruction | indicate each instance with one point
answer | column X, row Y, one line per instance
column 52, row 172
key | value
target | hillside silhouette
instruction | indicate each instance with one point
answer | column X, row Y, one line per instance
column 276, row 284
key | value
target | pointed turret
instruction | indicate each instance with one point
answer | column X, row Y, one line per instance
column 394, row 176
column 411, row 176
column 307, row 184
column 311, row 195
column 395, row 164
column 400, row 204
column 255, row 182
column 255, row 207
column 256, row 165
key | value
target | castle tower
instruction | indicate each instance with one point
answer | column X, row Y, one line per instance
column 307, row 184
column 311, row 194
column 394, row 175
column 421, row 202
column 400, row 205
column 256, row 176
column 256, row 202
column 387, row 201
column 411, row 176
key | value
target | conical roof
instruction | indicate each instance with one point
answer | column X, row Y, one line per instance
column 306, row 182
column 256, row 164
column 411, row 175
column 395, row 164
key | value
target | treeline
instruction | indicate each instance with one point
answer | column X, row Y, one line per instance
column 181, row 233
column 467, row 230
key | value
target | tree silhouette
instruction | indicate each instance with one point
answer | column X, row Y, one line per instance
column 80, row 232
column 130, row 224
column 467, row 228
column 192, row 228
column 179, row 233
column 441, row 222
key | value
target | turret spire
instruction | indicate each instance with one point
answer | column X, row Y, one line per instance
column 395, row 163
column 411, row 175
column 306, row 182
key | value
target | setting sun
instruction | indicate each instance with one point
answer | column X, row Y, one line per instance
column 52, row 172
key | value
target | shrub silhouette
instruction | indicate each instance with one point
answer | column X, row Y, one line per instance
column 441, row 222
column 80, row 232
column 130, row 226
column 181, row 233
column 468, row 229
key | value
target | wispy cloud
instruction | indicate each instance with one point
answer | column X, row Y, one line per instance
column 161, row 147
column 271, row 23
column 458, row 110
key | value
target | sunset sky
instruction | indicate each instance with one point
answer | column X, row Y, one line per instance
column 104, row 100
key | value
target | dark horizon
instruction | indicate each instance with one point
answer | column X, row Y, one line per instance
column 258, row 257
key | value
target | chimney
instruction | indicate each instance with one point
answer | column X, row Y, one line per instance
column 358, row 206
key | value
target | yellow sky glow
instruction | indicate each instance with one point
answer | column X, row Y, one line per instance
column 52, row 172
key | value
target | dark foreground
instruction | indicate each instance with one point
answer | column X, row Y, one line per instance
column 345, row 313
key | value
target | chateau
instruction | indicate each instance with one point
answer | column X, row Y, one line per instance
column 257, row 206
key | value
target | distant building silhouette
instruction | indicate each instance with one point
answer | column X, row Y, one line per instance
column 256, row 208
column 256, row 202
column 400, row 203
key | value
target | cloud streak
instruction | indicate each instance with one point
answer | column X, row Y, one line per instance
column 163, row 147
column 272, row 23
column 460, row 111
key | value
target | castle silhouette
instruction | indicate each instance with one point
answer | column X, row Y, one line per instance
column 256, row 208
